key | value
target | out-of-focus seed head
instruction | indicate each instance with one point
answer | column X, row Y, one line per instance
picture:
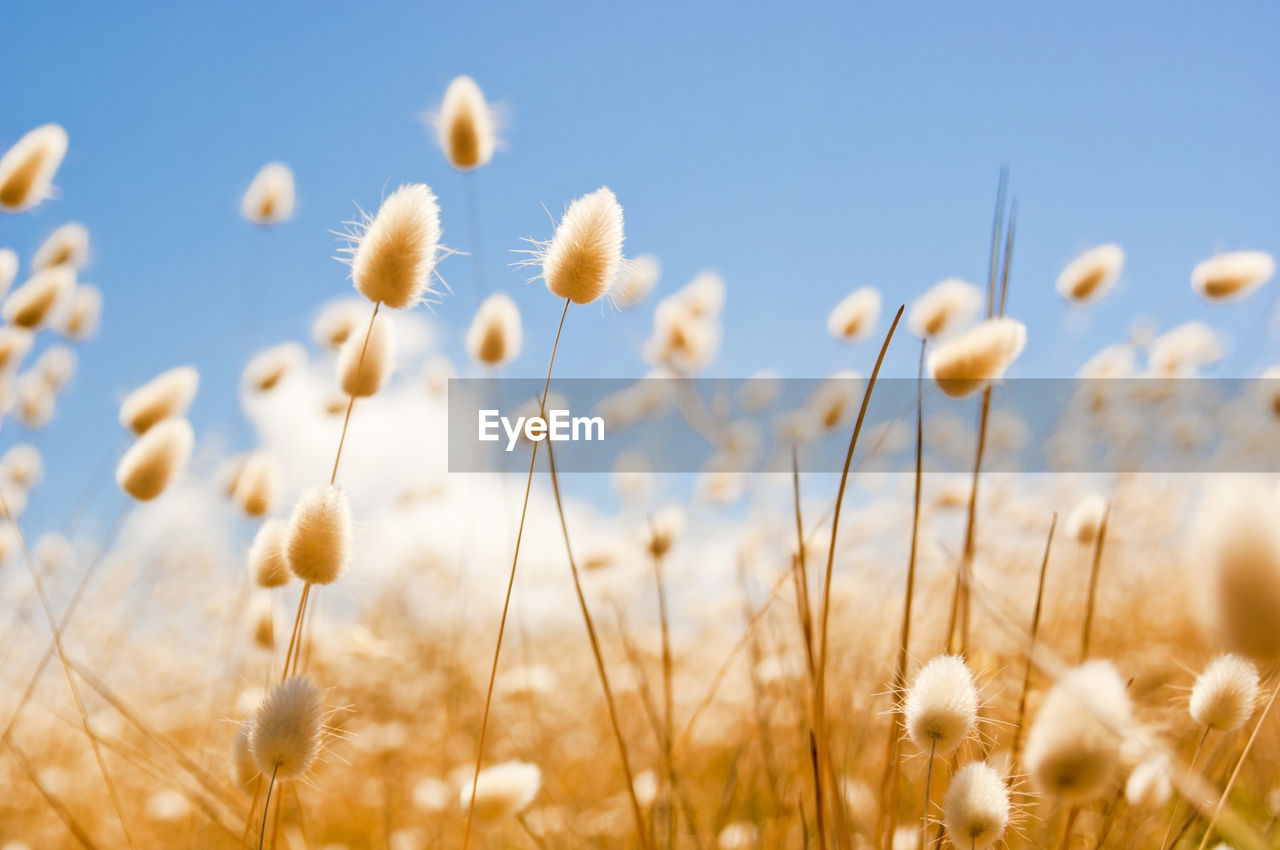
column 495, row 336
column 168, row 394
column 32, row 304
column 270, row 197
column 258, row 484
column 1232, row 276
column 503, row 790
column 317, row 542
column 158, row 456
column 969, row 362
column 363, row 368
column 947, row 306
column 266, row 555
column 637, row 279
column 1091, row 275
column 465, row 126
column 854, row 318
column 83, row 313
column 27, row 168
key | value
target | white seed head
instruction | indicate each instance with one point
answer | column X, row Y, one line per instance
column 258, row 484
column 269, row 198
column 495, row 337
column 585, row 254
column 969, row 362
column 1150, row 784
column 317, row 543
column 157, row 457
column 339, row 320
column 638, row 277
column 396, row 251
column 14, row 345
column 32, row 304
column 1092, row 274
column 1085, row 520
column 941, row 705
column 1073, row 746
column 363, row 368
column 55, row 366
column 947, row 306
column 8, row 269
column 465, row 126
column 168, row 394
column 976, row 808
column 33, row 401
column 685, row 339
column 502, row 790
column 285, row 738
column 1225, row 693
column 1232, row 276
column 266, row 555
column 1182, row 350
column 82, row 315
column 263, row 616
column 66, row 246
column 27, row 168
column 854, row 318
column 268, row 368
column 22, row 466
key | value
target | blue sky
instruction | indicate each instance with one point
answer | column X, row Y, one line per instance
column 801, row 150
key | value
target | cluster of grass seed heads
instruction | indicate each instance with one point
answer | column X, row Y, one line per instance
column 317, row 542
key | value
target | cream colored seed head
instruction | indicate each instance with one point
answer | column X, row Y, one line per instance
column 244, row 770
column 638, row 278
column 258, row 484
column 1225, row 693
column 33, row 401
column 1232, row 276
column 494, row 338
column 585, row 254
column 465, row 126
column 262, row 620
column 8, row 269
column 941, row 705
column 1085, row 520
column 363, row 368
column 168, row 394
column 971, row 361
column 1092, row 274
column 27, row 168
column 339, row 320
column 55, row 367
column 268, row 368
column 946, row 306
column 285, row 738
column 395, row 253
column 317, row 543
column 854, row 318
column 270, row 197
column 503, row 790
column 266, row 555
column 14, row 345
column 66, row 246
column 22, row 465
column 976, row 808
column 157, row 457
column 83, row 314
column 31, row 305
column 1150, row 784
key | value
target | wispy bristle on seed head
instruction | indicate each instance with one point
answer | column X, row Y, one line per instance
column 854, row 318
column 166, row 395
column 465, row 126
column 270, row 197
column 972, row 360
column 285, row 738
column 503, row 790
column 32, row 304
column 1092, row 274
column 395, row 252
column 1073, row 746
column 27, row 168
column 941, row 705
column 66, row 246
column 364, row 368
column 584, row 257
column 976, row 808
column 258, row 484
column 82, row 315
column 637, row 279
column 947, row 306
column 1232, row 276
column 317, row 542
column 266, row 555
column 1225, row 693
column 494, row 337
column 157, row 457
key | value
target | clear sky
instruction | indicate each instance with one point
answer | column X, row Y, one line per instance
column 800, row 149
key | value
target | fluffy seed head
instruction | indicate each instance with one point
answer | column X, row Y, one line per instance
column 1150, row 784
column 166, row 395
column 465, row 125
column 267, row 368
column 976, row 808
column 262, row 620
column 22, row 466
column 941, row 705
column 66, row 246
column 27, row 168
column 14, row 345
column 1182, row 350
column 854, row 318
column 258, row 484
column 502, row 790
column 585, row 254
column 317, row 543
column 285, row 738
column 1232, row 276
column 1091, row 275
column 1225, row 693
column 339, row 320
column 363, row 369
column 637, row 279
column 1085, row 520
column 266, row 555
column 243, row 768
column 395, row 252
column 155, row 459
column 1073, row 747
column 685, row 337
column 494, row 338
column 33, row 401
column 945, row 307
column 969, row 362
column 82, row 315
column 31, row 305
column 1240, row 551
column 269, row 198
column 8, row 269
column 55, row 366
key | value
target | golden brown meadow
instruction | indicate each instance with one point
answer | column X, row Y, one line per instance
column 968, row 661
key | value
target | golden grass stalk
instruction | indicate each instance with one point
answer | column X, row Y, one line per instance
column 1094, row 571
column 1032, row 633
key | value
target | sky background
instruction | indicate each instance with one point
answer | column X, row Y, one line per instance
column 800, row 150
